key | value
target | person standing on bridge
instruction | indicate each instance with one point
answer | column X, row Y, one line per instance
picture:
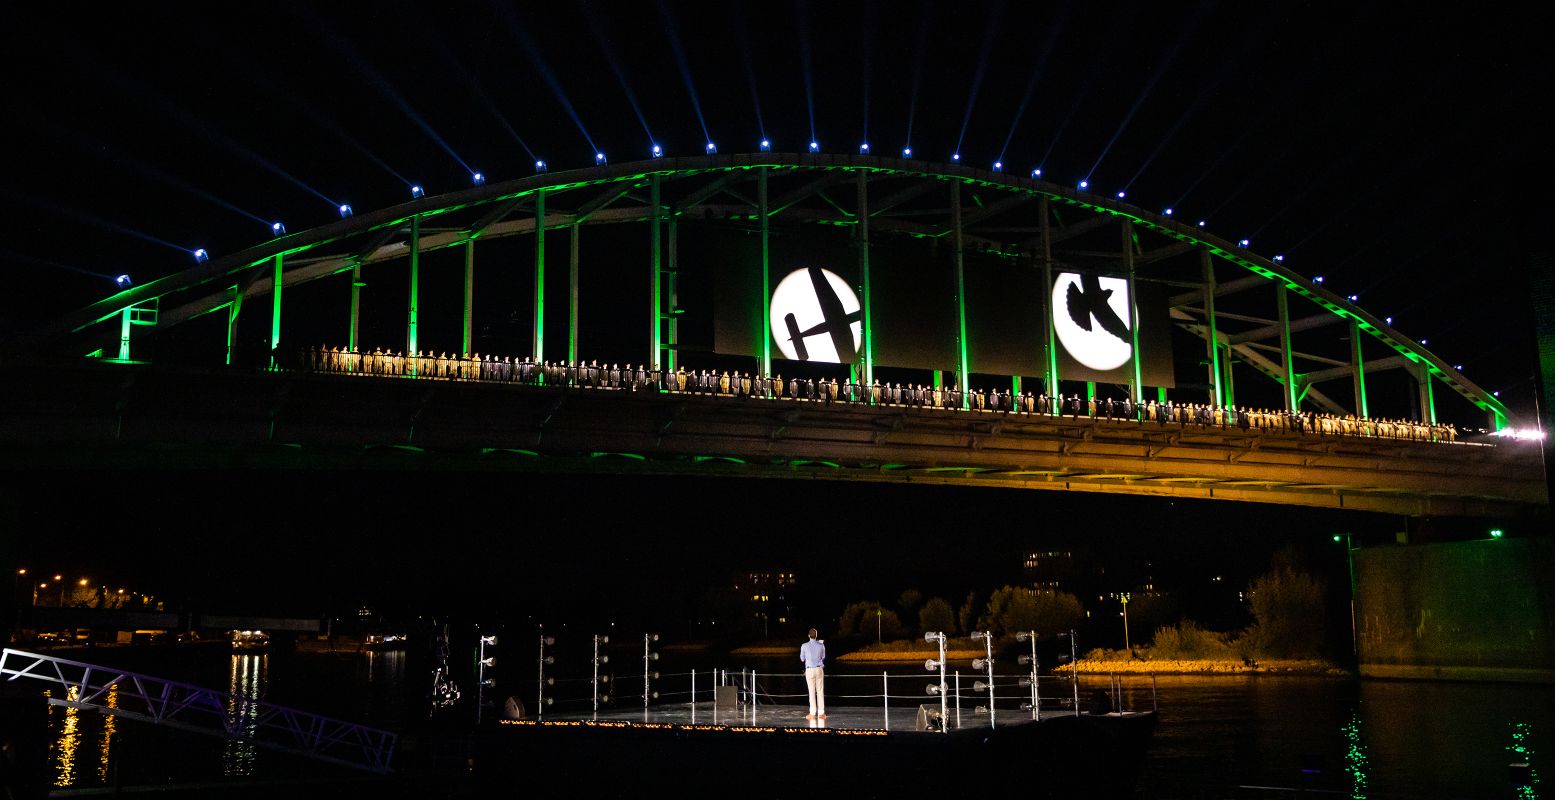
column 813, row 654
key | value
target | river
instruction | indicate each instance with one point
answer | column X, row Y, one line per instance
column 1218, row 735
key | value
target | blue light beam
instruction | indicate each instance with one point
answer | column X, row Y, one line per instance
column 672, row 34
column 990, row 31
column 1155, row 77
column 532, row 51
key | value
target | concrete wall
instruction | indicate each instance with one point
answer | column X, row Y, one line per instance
column 1481, row 610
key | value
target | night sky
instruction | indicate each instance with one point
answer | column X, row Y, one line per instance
column 1394, row 150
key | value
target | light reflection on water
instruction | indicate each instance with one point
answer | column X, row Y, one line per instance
column 246, row 683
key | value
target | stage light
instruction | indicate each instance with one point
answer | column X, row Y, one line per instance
column 1022, row 636
column 766, row 145
column 200, row 256
column 1036, row 173
column 1167, row 212
column 933, row 688
column 1318, row 279
column 657, row 151
column 1496, row 393
column 488, row 640
column 931, row 665
column 416, row 191
column 1121, row 195
column 976, row 635
column 345, row 210
column 955, row 156
column 863, row 148
column 1458, row 367
column 978, row 686
column 1425, row 341
column 711, row 148
column 930, row 636
column 981, row 663
column 1203, row 222
column 815, row 147
column 1497, row 533
column 1354, row 298
column 1085, row 184
column 599, row 158
column 1388, row 320
column 1024, row 661
column 277, row 229
column 1244, row 243
column 477, row 179
column 123, row 281
column 906, row 152
column 539, row 166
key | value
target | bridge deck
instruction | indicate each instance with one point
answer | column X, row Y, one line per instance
column 137, row 416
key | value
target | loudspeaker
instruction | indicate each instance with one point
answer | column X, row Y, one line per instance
column 726, row 697
column 929, row 718
column 513, row 708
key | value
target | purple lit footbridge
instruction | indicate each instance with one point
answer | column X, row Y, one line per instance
column 1075, row 258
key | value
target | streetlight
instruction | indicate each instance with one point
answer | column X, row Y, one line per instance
column 1126, row 646
column 1349, row 558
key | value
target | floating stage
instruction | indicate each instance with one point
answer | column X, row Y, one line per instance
column 773, row 750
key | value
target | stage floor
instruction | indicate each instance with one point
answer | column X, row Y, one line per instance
column 899, row 720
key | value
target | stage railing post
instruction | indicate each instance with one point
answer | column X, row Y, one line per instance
column 885, row 697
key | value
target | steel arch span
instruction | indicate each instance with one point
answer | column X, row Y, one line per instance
column 1032, row 223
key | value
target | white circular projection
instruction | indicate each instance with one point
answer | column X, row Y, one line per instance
column 1097, row 348
column 798, row 295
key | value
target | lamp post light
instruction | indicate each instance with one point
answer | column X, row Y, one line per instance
column 1349, row 559
column 1126, row 645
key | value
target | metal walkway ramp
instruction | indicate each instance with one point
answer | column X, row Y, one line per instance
column 193, row 708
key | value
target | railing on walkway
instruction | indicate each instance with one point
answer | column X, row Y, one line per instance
column 206, row 711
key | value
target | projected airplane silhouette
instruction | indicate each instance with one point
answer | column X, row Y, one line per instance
column 1086, row 300
column 835, row 320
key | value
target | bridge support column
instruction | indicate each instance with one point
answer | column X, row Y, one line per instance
column 411, row 341
column 1212, row 340
column 1287, row 361
column 1358, row 376
column 1138, row 391
column 1425, row 393
column 124, row 334
column 469, row 295
column 275, row 309
column 1228, row 389
column 656, row 280
column 572, row 291
column 765, row 350
column 1050, row 337
column 963, row 367
column 234, row 306
column 867, row 353
column 672, row 297
column 539, row 309
column 356, row 306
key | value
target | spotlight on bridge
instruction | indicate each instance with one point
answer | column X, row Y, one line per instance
column 539, row 166
column 998, row 166
column 1425, row 341
column 1497, row 533
column 906, row 152
column 1318, row 279
column 815, row 147
column 599, row 158
column 345, row 210
column 766, row 145
column 955, row 156
column 1203, row 222
column 711, row 148
column 1458, row 367
column 1036, row 173
column 1388, row 320
column 1244, row 243
column 200, row 256
column 1121, row 195
column 658, row 151
column 477, row 178
column 123, row 281
column 1085, row 184
column 863, row 148
column 1167, row 212
column 417, row 192
column 1354, row 298
column 277, row 229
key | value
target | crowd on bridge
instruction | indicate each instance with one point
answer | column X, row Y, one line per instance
column 644, row 378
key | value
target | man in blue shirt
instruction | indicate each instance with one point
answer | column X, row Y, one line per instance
column 813, row 654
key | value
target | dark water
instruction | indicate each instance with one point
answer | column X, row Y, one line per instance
column 1217, row 735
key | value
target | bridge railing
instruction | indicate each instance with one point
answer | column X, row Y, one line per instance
column 207, row 711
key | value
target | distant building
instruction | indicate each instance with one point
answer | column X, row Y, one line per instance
column 769, row 594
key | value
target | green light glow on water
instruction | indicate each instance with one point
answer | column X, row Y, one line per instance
column 1522, row 753
column 1355, row 760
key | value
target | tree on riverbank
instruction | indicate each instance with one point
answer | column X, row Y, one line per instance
column 1012, row 609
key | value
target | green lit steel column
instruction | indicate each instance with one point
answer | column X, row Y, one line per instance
column 539, row 311
column 1138, row 390
column 766, row 273
column 656, row 278
column 1358, row 376
column 863, row 272
column 1288, row 362
column 356, row 305
column 124, row 334
column 469, row 294
column 963, row 367
column 572, row 292
column 1212, row 337
column 1427, row 393
column 1050, row 334
column 233, row 308
column 411, row 345
column 1228, row 389
column 275, row 310
column 672, row 297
